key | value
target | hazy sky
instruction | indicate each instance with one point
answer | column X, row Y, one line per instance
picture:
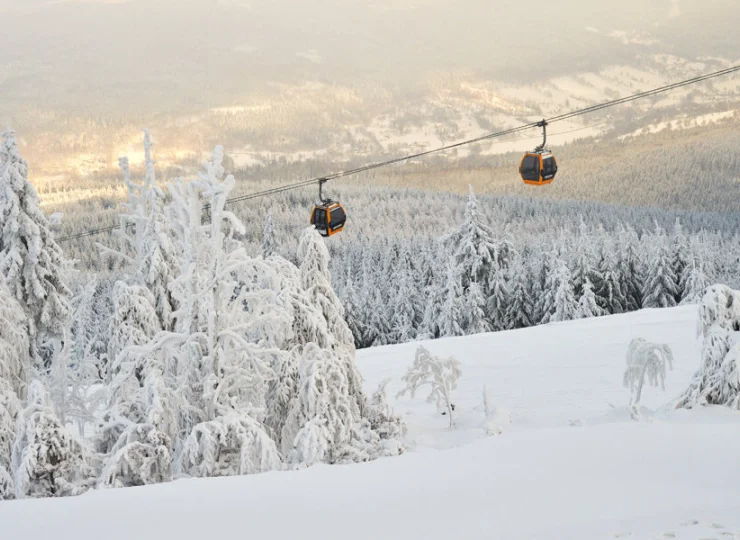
column 203, row 49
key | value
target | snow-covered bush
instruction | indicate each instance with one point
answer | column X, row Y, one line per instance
column 47, row 459
column 141, row 456
column 441, row 374
column 717, row 382
column 228, row 446
column 645, row 359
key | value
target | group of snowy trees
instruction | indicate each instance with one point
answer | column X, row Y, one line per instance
column 476, row 280
column 193, row 358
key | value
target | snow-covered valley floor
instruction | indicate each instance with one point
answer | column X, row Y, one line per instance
column 571, row 464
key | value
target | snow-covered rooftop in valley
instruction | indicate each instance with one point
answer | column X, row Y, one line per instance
column 559, row 457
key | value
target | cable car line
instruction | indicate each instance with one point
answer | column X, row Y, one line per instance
column 510, row 131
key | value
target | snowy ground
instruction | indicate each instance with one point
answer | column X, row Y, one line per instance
column 570, row 465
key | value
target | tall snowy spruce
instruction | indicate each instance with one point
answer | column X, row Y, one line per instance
column 30, row 260
column 479, row 260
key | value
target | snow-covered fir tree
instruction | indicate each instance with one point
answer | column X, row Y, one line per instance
column 269, row 246
column 608, row 290
column 452, row 313
column 587, row 303
column 660, row 287
column 520, row 311
column 564, row 306
column 30, row 259
column 695, row 282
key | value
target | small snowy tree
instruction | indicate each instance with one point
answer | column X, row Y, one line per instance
column 645, row 359
column 440, row 374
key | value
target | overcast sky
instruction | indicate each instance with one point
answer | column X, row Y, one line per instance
column 214, row 47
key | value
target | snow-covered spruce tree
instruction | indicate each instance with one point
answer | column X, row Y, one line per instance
column 628, row 268
column 30, row 259
column 587, row 304
column 717, row 382
column 681, row 258
column 499, row 300
column 660, row 288
column 645, row 359
column 476, row 253
column 432, row 287
column 608, row 289
column 47, row 459
column 564, row 306
column 520, row 311
column 14, row 365
column 269, row 246
column 452, row 314
column 405, row 318
column 441, row 374
column 695, row 283
column 584, row 260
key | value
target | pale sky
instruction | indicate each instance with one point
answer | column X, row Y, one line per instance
column 128, row 47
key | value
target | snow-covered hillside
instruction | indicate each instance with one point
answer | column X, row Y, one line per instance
column 571, row 464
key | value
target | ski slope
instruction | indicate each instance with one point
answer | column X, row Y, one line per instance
column 568, row 462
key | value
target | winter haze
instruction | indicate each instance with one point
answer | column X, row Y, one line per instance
column 333, row 81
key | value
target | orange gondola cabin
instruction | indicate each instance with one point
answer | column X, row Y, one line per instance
column 539, row 167
column 328, row 216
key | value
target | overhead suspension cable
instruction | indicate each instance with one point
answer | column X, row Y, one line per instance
column 510, row 131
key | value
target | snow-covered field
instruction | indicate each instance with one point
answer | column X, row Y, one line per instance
column 569, row 465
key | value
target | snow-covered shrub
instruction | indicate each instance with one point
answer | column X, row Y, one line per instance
column 441, row 374
column 228, row 446
column 141, row 456
column 47, row 459
column 390, row 427
column 645, row 359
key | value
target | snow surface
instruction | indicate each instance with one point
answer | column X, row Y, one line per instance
column 570, row 465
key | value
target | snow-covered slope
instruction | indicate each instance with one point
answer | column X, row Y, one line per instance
column 570, row 464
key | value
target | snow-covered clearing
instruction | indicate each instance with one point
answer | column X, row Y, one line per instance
column 571, row 464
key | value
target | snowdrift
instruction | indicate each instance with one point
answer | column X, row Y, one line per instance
column 569, row 462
